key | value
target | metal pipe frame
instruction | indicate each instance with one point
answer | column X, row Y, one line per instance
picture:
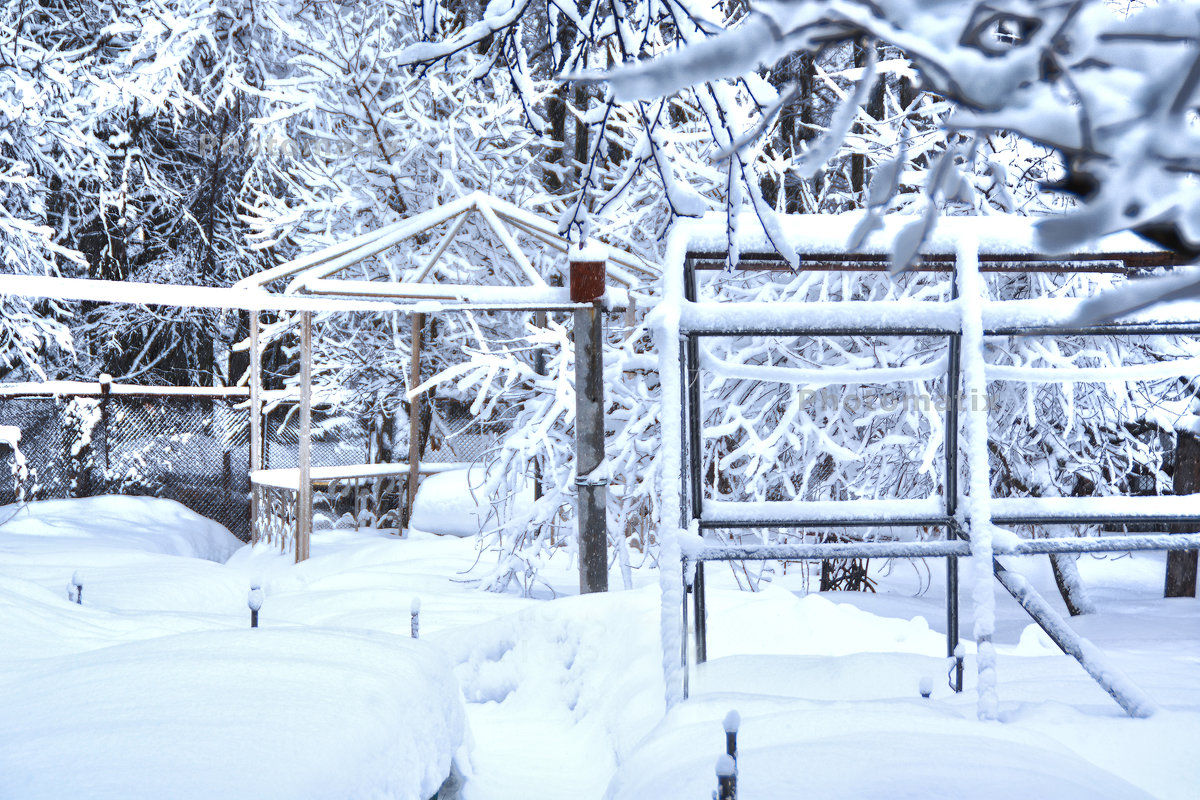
column 955, row 545
column 945, row 548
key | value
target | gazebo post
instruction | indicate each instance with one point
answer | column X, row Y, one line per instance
column 304, row 495
column 414, row 420
column 256, row 450
column 591, row 478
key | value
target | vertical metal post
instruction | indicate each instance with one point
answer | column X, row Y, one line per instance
column 414, row 420
column 256, row 426
column 539, row 366
column 304, row 495
column 1180, row 578
column 105, row 389
column 701, row 614
column 694, row 463
column 591, row 484
column 953, row 367
column 683, row 633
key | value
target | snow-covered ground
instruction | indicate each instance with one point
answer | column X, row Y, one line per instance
column 156, row 687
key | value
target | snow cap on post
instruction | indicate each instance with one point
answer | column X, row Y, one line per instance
column 255, row 598
column 588, row 268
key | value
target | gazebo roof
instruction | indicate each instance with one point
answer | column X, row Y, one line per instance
column 322, row 272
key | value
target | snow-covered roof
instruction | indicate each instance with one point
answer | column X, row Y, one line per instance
column 313, row 273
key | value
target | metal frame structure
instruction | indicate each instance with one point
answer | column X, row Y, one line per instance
column 315, row 274
column 696, row 514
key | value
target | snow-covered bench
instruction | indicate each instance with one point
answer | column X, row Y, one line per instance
column 276, row 492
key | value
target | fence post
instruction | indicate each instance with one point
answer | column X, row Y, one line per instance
column 587, row 286
column 414, row 611
column 414, row 421
column 256, row 426
column 304, row 495
column 1181, row 564
column 105, row 388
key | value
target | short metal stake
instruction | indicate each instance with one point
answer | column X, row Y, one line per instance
column 733, row 720
column 726, row 779
column 254, row 600
column 415, row 611
column 77, row 582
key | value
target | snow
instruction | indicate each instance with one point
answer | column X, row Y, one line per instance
column 289, row 477
column 232, row 713
column 453, row 503
column 10, row 435
column 828, row 234
column 97, row 527
column 551, row 696
column 974, row 441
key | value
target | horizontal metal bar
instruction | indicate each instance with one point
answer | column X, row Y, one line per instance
column 943, row 549
column 816, row 552
column 1084, row 518
column 1132, row 329
column 819, row 522
column 1105, row 544
column 910, row 330
column 989, row 262
column 1148, row 329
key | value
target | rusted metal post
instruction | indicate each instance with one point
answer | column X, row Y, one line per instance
column 256, row 436
column 414, row 421
column 1181, row 564
column 304, row 494
column 591, row 479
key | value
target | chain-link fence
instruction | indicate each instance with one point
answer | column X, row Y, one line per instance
column 192, row 446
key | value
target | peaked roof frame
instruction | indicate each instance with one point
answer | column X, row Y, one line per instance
column 312, row 274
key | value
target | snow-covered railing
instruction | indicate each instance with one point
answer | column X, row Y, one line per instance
column 969, row 519
column 277, row 494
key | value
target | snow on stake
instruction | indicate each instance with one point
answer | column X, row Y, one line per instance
column 75, row 590
column 733, row 721
column 727, row 764
column 415, row 613
column 254, row 599
column 726, row 779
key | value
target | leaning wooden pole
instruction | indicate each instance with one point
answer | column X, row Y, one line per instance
column 256, row 438
column 304, row 495
column 591, row 478
column 414, row 421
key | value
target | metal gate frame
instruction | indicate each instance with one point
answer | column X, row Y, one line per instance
column 957, row 541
